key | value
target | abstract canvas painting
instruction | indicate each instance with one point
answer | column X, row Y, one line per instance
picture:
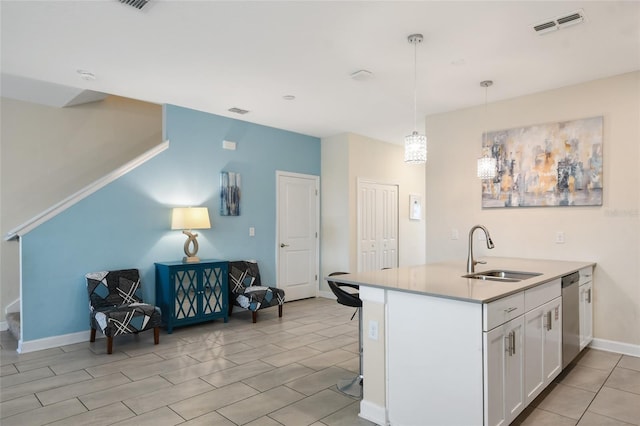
column 229, row 194
column 554, row 164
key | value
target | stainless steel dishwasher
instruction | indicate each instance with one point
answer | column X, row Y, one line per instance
column 570, row 318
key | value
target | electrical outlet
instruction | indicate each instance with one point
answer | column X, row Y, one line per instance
column 560, row 237
column 373, row 330
column 454, row 234
column 252, row 231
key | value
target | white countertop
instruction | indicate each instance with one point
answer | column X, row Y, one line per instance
column 444, row 279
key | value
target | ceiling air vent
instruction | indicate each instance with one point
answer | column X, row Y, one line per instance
column 138, row 4
column 238, row 110
column 558, row 22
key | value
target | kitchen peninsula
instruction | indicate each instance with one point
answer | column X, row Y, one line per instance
column 442, row 349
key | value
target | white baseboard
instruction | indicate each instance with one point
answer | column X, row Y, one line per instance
column 327, row 295
column 54, row 342
column 373, row 412
column 617, row 347
column 4, row 326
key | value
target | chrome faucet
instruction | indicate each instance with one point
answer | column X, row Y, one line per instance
column 471, row 262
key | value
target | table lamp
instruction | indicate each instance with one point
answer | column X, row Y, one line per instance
column 188, row 219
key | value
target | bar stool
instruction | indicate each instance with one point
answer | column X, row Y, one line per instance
column 351, row 387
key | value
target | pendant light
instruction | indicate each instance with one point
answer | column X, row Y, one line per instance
column 415, row 145
column 487, row 164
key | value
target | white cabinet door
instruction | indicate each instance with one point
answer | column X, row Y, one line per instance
column 552, row 353
column 504, row 369
column 543, row 347
column 586, row 314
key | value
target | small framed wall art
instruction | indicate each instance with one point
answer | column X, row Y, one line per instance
column 230, row 194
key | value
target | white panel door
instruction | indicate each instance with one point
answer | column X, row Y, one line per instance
column 389, row 226
column 377, row 226
column 297, row 239
column 367, row 228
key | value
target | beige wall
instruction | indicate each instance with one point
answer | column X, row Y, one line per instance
column 50, row 153
column 608, row 235
column 345, row 159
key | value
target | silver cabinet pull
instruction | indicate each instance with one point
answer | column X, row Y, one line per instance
column 508, row 310
column 513, row 345
column 589, row 296
column 549, row 325
column 283, row 245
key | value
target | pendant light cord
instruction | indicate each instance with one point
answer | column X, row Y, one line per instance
column 415, row 85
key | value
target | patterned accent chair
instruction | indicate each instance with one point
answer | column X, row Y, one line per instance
column 246, row 290
column 116, row 306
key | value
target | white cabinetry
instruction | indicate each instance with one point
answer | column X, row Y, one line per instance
column 522, row 349
column 504, row 368
column 586, row 307
column 543, row 337
column 503, row 336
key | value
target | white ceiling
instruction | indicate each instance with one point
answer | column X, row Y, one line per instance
column 214, row 55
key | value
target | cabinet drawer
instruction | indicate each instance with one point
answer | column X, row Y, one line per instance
column 586, row 275
column 502, row 310
column 541, row 294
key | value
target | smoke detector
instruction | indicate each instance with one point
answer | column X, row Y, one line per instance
column 562, row 21
column 361, row 75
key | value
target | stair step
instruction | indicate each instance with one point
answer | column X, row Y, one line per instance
column 13, row 320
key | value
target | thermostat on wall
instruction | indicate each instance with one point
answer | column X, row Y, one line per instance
column 229, row 145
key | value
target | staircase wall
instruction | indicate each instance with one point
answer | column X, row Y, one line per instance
column 49, row 153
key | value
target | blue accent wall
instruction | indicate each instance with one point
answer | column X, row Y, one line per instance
column 127, row 223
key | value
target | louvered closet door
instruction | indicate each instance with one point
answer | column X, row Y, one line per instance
column 377, row 226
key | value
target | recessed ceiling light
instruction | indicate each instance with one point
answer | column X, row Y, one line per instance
column 288, row 97
column 86, row 75
column 238, row 110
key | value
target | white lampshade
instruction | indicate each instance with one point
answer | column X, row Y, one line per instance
column 190, row 218
column 415, row 148
column 487, row 167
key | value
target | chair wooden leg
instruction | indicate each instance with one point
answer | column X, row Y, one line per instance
column 254, row 315
column 156, row 335
column 93, row 335
column 280, row 311
column 109, row 345
column 230, row 308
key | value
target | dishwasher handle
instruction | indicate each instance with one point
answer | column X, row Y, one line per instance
column 570, row 279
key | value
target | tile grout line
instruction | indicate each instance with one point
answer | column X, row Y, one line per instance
column 599, row 389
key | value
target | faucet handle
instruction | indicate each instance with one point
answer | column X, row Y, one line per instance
column 482, row 262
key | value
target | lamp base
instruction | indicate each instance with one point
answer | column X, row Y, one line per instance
column 190, row 259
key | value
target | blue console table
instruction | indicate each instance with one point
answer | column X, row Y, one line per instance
column 190, row 293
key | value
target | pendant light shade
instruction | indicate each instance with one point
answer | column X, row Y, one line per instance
column 487, row 164
column 415, row 145
column 415, row 148
column 487, row 167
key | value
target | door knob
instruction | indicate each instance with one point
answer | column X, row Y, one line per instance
column 283, row 245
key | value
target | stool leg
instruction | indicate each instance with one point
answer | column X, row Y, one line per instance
column 353, row 387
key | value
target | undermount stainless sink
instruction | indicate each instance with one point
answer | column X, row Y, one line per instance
column 501, row 275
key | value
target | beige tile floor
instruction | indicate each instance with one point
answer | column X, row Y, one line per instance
column 275, row 372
